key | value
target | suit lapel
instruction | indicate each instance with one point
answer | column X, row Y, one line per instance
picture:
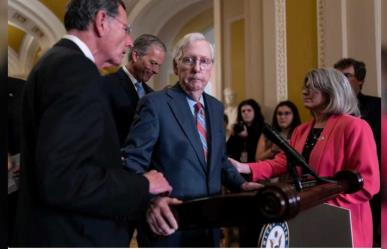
column 212, row 139
column 179, row 106
column 128, row 86
column 320, row 146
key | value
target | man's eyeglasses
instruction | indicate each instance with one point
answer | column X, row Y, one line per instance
column 127, row 28
column 204, row 63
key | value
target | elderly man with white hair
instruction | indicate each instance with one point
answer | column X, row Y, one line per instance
column 179, row 131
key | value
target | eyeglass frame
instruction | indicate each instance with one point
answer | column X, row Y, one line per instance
column 193, row 61
column 127, row 27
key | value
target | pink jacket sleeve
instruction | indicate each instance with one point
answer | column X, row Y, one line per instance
column 267, row 169
column 277, row 166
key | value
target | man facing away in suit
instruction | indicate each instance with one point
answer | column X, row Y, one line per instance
column 370, row 106
column 74, row 191
column 125, row 87
column 370, row 110
column 179, row 131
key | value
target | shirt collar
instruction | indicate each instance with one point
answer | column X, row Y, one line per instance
column 131, row 77
column 192, row 103
column 84, row 48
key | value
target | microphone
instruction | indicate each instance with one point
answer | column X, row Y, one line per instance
column 291, row 153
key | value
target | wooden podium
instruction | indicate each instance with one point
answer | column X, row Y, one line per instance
column 287, row 218
column 321, row 226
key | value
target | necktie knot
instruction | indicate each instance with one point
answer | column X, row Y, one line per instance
column 140, row 89
column 198, row 107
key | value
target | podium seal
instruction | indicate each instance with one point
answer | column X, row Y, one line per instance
column 274, row 235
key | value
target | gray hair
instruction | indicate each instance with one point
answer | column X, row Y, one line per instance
column 79, row 13
column 185, row 41
column 334, row 84
column 143, row 42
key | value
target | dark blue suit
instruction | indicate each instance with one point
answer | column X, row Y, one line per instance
column 123, row 98
column 164, row 137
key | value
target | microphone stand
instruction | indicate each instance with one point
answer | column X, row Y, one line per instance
column 297, row 182
column 293, row 159
column 293, row 174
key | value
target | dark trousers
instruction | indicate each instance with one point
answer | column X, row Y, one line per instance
column 188, row 238
column 249, row 235
column 375, row 203
column 11, row 214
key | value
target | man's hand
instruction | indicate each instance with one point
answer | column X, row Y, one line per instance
column 250, row 186
column 159, row 216
column 157, row 183
column 14, row 165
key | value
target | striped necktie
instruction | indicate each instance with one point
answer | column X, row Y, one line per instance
column 140, row 90
column 201, row 126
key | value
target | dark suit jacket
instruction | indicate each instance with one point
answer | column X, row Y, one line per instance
column 74, row 191
column 123, row 99
column 15, row 89
column 164, row 137
column 370, row 109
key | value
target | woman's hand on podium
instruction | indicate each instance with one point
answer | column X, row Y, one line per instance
column 242, row 168
column 251, row 186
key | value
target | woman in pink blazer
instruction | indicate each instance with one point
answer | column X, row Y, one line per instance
column 334, row 140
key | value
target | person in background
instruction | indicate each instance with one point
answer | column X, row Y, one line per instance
column 74, row 191
column 370, row 110
column 180, row 132
column 370, row 106
column 15, row 90
column 285, row 119
column 242, row 143
column 125, row 87
column 334, row 140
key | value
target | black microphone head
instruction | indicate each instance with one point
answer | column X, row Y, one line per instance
column 281, row 142
column 291, row 154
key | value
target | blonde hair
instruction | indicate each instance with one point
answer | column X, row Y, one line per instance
column 333, row 83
